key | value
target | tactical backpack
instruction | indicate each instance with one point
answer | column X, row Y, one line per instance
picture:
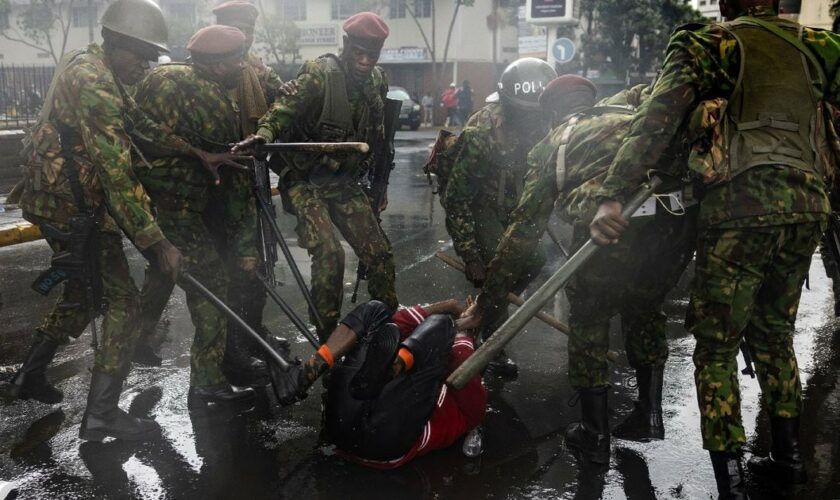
column 441, row 159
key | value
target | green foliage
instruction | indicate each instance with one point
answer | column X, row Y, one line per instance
column 628, row 37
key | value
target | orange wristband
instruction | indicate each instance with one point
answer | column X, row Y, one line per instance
column 406, row 357
column 327, row 354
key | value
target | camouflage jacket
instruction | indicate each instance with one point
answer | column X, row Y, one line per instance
column 294, row 117
column 487, row 178
column 95, row 115
column 196, row 108
column 591, row 146
column 702, row 64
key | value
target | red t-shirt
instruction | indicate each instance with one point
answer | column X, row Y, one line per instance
column 455, row 413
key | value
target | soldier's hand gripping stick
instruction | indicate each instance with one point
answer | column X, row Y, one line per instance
column 491, row 348
column 227, row 311
column 518, row 301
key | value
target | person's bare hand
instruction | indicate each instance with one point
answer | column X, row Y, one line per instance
column 470, row 319
column 608, row 224
column 289, row 88
column 248, row 264
column 212, row 162
column 168, row 258
column 248, row 145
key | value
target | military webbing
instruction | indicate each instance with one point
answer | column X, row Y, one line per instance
column 560, row 166
column 796, row 42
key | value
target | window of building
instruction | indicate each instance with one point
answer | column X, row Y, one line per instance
column 423, row 8
column 4, row 20
column 342, row 9
column 79, row 16
column 293, row 10
column 396, row 9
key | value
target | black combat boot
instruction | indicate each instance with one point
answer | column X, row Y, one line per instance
column 30, row 381
column 729, row 475
column 504, row 367
column 104, row 418
column 239, row 366
column 589, row 439
column 376, row 371
column 785, row 460
column 220, row 396
column 645, row 421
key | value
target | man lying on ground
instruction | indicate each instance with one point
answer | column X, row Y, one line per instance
column 387, row 402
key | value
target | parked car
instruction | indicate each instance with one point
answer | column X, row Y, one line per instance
column 410, row 111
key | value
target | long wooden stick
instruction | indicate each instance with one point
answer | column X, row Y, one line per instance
column 518, row 301
column 494, row 345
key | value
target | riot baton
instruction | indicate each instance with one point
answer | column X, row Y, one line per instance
column 492, row 346
column 224, row 309
column 518, row 301
column 290, row 313
column 313, row 147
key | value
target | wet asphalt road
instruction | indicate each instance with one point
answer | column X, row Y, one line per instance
column 276, row 453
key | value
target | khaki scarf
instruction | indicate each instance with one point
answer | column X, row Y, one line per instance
column 251, row 99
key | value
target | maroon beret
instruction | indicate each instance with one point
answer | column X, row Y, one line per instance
column 216, row 41
column 236, row 10
column 563, row 84
column 367, row 30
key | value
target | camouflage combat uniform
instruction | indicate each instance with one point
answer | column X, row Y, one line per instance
column 180, row 98
column 758, row 229
column 482, row 191
column 94, row 115
column 324, row 190
column 630, row 278
column 232, row 202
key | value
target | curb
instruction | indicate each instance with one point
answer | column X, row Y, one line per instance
column 19, row 233
column 25, row 232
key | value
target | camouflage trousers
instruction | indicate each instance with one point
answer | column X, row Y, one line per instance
column 489, row 232
column 191, row 237
column 747, row 285
column 119, row 331
column 231, row 217
column 347, row 208
column 632, row 279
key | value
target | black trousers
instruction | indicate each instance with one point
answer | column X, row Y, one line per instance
column 387, row 427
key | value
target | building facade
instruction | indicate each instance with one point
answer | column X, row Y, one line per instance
column 482, row 41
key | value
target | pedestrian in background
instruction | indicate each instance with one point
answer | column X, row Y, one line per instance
column 449, row 100
column 427, row 102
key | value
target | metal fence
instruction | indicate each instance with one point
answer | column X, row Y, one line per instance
column 22, row 91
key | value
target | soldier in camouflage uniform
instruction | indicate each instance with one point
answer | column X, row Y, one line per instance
column 487, row 178
column 340, row 98
column 616, row 281
column 80, row 158
column 192, row 99
column 761, row 214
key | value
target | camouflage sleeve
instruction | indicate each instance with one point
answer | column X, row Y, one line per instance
column 697, row 65
column 102, row 128
column 161, row 136
column 528, row 223
column 272, row 83
column 154, row 96
column 460, row 192
column 288, row 108
column 826, row 46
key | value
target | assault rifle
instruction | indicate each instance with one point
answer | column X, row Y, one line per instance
column 269, row 231
column 77, row 261
column 380, row 174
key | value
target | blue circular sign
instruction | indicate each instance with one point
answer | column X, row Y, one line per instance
column 563, row 50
